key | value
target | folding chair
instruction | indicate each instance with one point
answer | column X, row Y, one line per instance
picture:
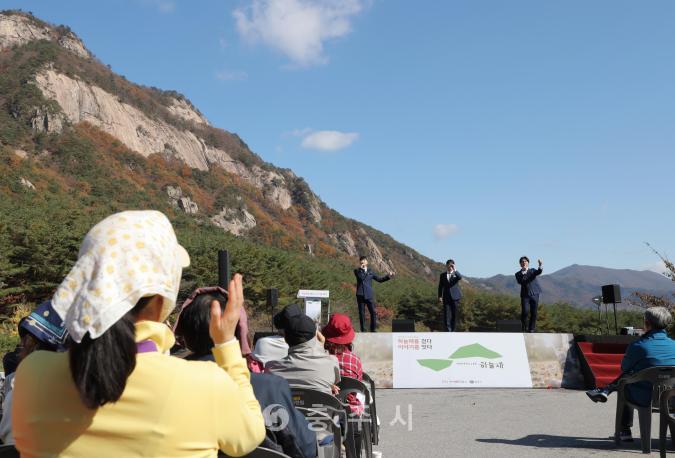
column 325, row 412
column 8, row 451
column 260, row 452
column 667, row 420
column 373, row 409
column 662, row 379
column 349, row 386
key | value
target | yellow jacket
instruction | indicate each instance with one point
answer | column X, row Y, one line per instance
column 170, row 407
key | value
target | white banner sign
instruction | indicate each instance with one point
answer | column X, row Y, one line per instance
column 313, row 293
column 460, row 360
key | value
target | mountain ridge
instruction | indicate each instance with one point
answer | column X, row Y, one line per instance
column 577, row 284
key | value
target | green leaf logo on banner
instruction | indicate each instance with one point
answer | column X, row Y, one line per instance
column 435, row 364
column 468, row 351
column 474, row 351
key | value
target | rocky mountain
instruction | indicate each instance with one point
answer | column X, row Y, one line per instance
column 578, row 284
column 54, row 92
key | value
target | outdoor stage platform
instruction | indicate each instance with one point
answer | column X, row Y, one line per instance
column 482, row 359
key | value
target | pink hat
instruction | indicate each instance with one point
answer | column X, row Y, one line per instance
column 339, row 329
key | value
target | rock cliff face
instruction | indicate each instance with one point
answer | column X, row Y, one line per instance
column 178, row 200
column 18, row 29
column 375, row 256
column 234, row 220
column 181, row 109
column 81, row 101
column 44, row 120
column 345, row 241
column 27, row 184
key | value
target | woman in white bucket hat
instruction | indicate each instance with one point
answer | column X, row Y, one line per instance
column 117, row 392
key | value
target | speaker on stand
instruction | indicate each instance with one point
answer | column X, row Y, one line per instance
column 223, row 269
column 272, row 301
column 597, row 300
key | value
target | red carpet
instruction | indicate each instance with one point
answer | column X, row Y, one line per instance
column 604, row 359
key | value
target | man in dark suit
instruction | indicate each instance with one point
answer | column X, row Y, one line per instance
column 364, row 292
column 529, row 293
column 449, row 294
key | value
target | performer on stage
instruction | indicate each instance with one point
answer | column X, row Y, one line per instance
column 449, row 294
column 364, row 292
column 529, row 293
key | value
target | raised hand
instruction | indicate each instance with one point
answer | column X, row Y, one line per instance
column 224, row 323
column 540, row 263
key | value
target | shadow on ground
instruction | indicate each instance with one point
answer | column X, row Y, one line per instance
column 550, row 441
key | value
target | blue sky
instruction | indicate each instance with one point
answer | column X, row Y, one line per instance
column 477, row 130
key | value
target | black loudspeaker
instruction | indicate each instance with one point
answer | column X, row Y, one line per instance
column 272, row 301
column 611, row 294
column 223, row 269
column 509, row 326
column 272, row 297
column 403, row 326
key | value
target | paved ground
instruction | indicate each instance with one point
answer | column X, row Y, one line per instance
column 500, row 422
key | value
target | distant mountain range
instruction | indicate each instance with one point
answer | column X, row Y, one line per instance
column 577, row 284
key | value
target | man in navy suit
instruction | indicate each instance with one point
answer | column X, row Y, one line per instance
column 364, row 292
column 449, row 294
column 529, row 293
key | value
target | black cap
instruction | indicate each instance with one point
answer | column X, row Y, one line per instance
column 298, row 327
column 281, row 319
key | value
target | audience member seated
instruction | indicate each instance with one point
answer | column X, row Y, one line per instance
column 652, row 349
column 11, row 360
column 270, row 348
column 295, row 439
column 339, row 335
column 116, row 392
column 307, row 364
column 204, row 341
column 42, row 329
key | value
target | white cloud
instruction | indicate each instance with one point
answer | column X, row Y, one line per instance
column 326, row 140
column 297, row 28
column 299, row 132
column 443, row 231
column 231, row 75
column 164, row 6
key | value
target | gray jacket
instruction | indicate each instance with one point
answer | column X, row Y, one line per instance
column 307, row 365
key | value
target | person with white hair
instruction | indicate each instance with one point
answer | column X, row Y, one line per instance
column 116, row 391
column 652, row 349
